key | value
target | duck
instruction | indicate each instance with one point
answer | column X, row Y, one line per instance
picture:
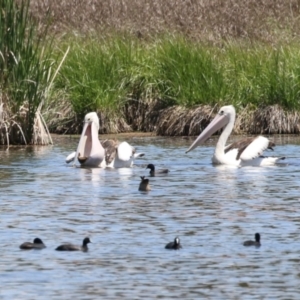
column 71, row 247
column 174, row 245
column 37, row 244
column 154, row 172
column 255, row 243
column 144, row 184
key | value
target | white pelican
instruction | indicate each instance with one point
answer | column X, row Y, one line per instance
column 247, row 152
column 109, row 153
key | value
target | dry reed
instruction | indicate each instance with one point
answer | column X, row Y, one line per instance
column 212, row 20
column 180, row 121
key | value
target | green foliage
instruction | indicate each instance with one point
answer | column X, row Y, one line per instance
column 263, row 75
column 101, row 74
column 97, row 74
column 25, row 65
column 189, row 73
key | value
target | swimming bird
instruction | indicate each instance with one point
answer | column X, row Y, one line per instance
column 37, row 244
column 247, row 152
column 174, row 245
column 154, row 172
column 255, row 243
column 109, row 153
column 144, row 184
column 71, row 247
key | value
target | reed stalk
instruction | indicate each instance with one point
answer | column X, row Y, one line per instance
column 26, row 67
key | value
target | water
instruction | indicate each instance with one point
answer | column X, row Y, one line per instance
column 212, row 209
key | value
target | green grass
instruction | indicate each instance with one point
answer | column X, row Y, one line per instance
column 26, row 64
column 263, row 75
column 102, row 74
column 189, row 73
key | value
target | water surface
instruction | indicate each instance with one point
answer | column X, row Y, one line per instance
column 212, row 209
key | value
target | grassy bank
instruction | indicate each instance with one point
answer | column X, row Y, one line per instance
column 142, row 66
column 122, row 76
column 106, row 72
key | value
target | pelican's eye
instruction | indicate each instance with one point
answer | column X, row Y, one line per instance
column 221, row 112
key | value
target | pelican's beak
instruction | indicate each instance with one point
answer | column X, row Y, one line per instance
column 217, row 123
column 85, row 135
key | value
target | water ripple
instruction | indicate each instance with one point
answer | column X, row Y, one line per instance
column 212, row 209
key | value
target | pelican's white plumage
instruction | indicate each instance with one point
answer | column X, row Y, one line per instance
column 90, row 152
column 93, row 153
column 248, row 151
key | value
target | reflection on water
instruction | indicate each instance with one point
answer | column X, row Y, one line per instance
column 212, row 209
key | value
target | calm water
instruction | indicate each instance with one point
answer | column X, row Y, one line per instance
column 212, row 209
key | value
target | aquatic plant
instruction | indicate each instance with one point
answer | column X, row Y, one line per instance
column 102, row 74
column 26, row 74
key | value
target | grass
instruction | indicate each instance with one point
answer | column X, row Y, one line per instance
column 264, row 76
column 103, row 74
column 25, row 70
column 214, row 21
column 189, row 72
column 124, row 55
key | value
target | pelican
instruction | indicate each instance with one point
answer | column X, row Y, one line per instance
column 247, row 152
column 109, row 153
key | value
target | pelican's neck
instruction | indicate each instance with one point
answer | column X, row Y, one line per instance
column 219, row 151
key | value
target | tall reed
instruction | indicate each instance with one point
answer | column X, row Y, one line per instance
column 25, row 70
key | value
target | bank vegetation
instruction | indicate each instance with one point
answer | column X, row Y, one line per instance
column 159, row 66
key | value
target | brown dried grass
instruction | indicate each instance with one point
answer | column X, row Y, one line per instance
column 274, row 119
column 143, row 115
column 11, row 124
column 62, row 119
column 212, row 20
column 180, row 121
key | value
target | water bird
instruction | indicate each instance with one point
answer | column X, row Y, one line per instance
column 154, row 172
column 37, row 244
column 247, row 152
column 255, row 243
column 71, row 247
column 174, row 245
column 144, row 184
column 108, row 153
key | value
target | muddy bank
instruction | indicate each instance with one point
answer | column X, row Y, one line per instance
column 156, row 119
